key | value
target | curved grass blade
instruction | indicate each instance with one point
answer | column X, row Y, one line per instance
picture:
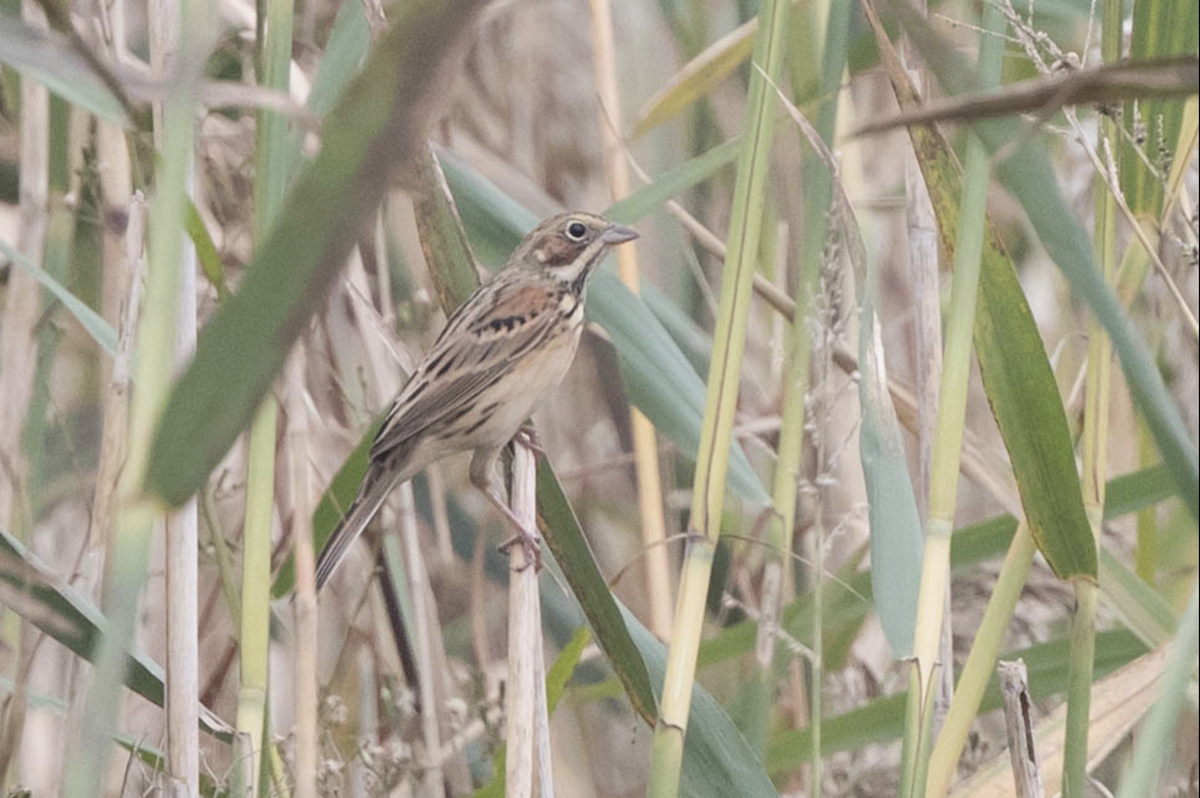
column 31, row 589
column 92, row 322
column 379, row 121
column 697, row 77
column 47, row 57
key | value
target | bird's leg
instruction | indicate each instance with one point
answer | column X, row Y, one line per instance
column 481, row 477
column 527, row 436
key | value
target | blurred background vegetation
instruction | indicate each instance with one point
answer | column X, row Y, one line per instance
column 279, row 154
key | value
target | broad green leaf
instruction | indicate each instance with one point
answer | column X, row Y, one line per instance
column 92, row 322
column 1016, row 373
column 379, row 121
column 31, row 589
column 603, row 611
column 47, row 57
column 1029, row 177
column 659, row 378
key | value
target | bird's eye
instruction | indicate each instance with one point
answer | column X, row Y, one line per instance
column 576, row 231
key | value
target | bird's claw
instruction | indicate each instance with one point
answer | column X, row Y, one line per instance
column 530, row 544
column 527, row 436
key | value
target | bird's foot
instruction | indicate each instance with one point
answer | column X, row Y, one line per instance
column 532, row 546
column 527, row 436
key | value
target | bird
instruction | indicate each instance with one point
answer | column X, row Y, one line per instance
column 499, row 354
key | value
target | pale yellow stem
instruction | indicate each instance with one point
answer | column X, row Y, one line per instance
column 645, row 445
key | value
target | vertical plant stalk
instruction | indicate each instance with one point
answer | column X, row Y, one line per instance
column 271, row 156
column 1095, row 450
column 818, row 194
column 182, row 583
column 116, row 397
column 301, row 506
column 948, row 433
column 1018, row 727
column 155, row 364
column 254, row 634
column 424, row 616
column 18, row 348
column 181, row 527
column 645, row 445
column 18, row 357
column 124, row 269
column 927, row 343
column 716, row 436
column 524, row 745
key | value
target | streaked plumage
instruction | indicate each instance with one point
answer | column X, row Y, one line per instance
column 510, row 342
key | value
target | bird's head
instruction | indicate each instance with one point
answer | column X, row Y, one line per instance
column 570, row 245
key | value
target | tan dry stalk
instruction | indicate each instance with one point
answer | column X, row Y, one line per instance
column 183, row 670
column 301, row 506
column 645, row 445
column 116, row 398
column 1018, row 727
column 182, row 584
column 525, row 652
column 18, row 348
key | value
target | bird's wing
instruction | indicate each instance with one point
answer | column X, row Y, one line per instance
column 483, row 340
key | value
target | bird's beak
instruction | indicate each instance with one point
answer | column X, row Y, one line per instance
column 618, row 234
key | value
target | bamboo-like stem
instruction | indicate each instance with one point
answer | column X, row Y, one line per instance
column 527, row 753
column 254, row 634
column 716, row 436
column 155, row 360
column 645, row 445
column 18, row 364
column 300, row 505
column 948, row 433
column 923, row 248
column 818, row 192
column 182, row 583
column 1094, row 455
column 271, row 150
column 943, row 761
column 182, row 544
column 124, row 269
column 22, row 303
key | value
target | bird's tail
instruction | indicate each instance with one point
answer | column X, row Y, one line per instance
column 374, row 490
